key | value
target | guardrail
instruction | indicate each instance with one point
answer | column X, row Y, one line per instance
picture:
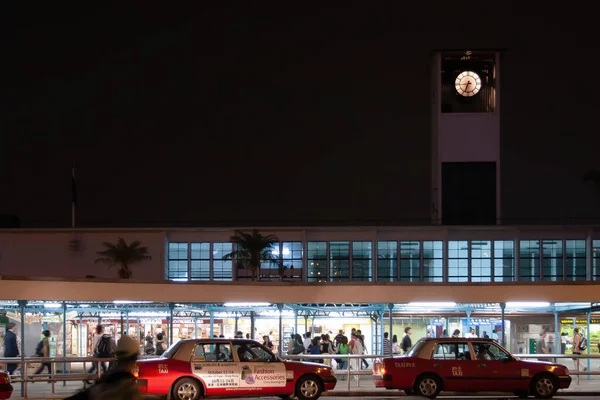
column 350, row 371
column 353, row 371
column 556, row 357
column 58, row 370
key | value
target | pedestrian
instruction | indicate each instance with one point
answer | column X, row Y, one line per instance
column 11, row 349
column 118, row 383
column 43, row 350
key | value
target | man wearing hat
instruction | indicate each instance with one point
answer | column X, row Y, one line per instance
column 118, row 383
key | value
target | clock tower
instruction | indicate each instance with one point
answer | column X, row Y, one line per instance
column 466, row 137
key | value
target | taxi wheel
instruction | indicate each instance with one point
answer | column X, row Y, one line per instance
column 186, row 389
column 308, row 388
column 544, row 386
column 428, row 386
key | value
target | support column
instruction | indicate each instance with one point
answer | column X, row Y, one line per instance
column 212, row 324
column 80, row 337
column 503, row 337
column 127, row 323
column 252, row 316
column 557, row 342
column 280, row 345
column 468, row 312
column 295, row 321
column 22, row 304
column 306, row 323
column 382, row 328
column 236, row 324
column 64, row 341
column 589, row 367
column 171, row 307
column 391, row 334
column 195, row 327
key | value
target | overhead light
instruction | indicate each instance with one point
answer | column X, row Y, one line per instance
column 432, row 304
column 52, row 305
column 246, row 304
column 130, row 302
column 527, row 304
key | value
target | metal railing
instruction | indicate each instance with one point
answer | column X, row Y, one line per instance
column 356, row 372
column 556, row 357
column 352, row 372
column 58, row 370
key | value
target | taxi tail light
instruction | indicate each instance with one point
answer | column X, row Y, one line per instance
column 382, row 371
column 136, row 371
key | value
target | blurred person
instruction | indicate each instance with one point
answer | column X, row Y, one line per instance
column 11, row 349
column 43, row 351
column 406, row 341
column 577, row 350
column 119, row 383
column 161, row 345
column 395, row 345
column 267, row 342
column 103, row 346
column 387, row 347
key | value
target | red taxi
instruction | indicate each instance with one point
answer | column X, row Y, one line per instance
column 6, row 388
column 468, row 365
column 196, row 368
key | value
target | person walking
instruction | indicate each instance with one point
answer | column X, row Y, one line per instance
column 104, row 346
column 577, row 350
column 118, row 383
column 406, row 341
column 43, row 350
column 387, row 347
column 11, row 349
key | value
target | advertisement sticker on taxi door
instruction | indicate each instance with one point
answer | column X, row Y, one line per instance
column 263, row 375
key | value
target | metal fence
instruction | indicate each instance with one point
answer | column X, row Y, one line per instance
column 61, row 371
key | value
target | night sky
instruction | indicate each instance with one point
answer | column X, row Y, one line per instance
column 266, row 113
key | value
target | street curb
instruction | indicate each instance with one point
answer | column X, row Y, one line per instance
column 396, row 393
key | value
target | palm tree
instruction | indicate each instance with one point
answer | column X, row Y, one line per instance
column 123, row 255
column 252, row 249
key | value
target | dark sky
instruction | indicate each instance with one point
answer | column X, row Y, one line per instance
column 266, row 112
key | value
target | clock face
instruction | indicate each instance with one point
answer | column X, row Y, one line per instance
column 467, row 83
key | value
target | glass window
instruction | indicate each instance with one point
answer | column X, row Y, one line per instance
column 529, row 260
column 292, row 255
column 596, row 260
column 504, row 260
column 317, row 261
column 481, row 261
column 387, row 261
column 222, row 269
column 433, row 261
column 178, row 261
column 362, row 261
column 213, row 352
column 553, row 266
column 458, row 261
column 200, row 261
column 576, row 258
column 452, row 351
column 339, row 261
column 410, row 261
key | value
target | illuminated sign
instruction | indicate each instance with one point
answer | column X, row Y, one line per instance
column 579, row 321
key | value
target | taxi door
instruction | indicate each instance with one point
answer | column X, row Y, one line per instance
column 452, row 361
column 495, row 369
column 261, row 372
column 216, row 365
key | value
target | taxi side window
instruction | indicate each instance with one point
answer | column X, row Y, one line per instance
column 452, row 351
column 213, row 352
